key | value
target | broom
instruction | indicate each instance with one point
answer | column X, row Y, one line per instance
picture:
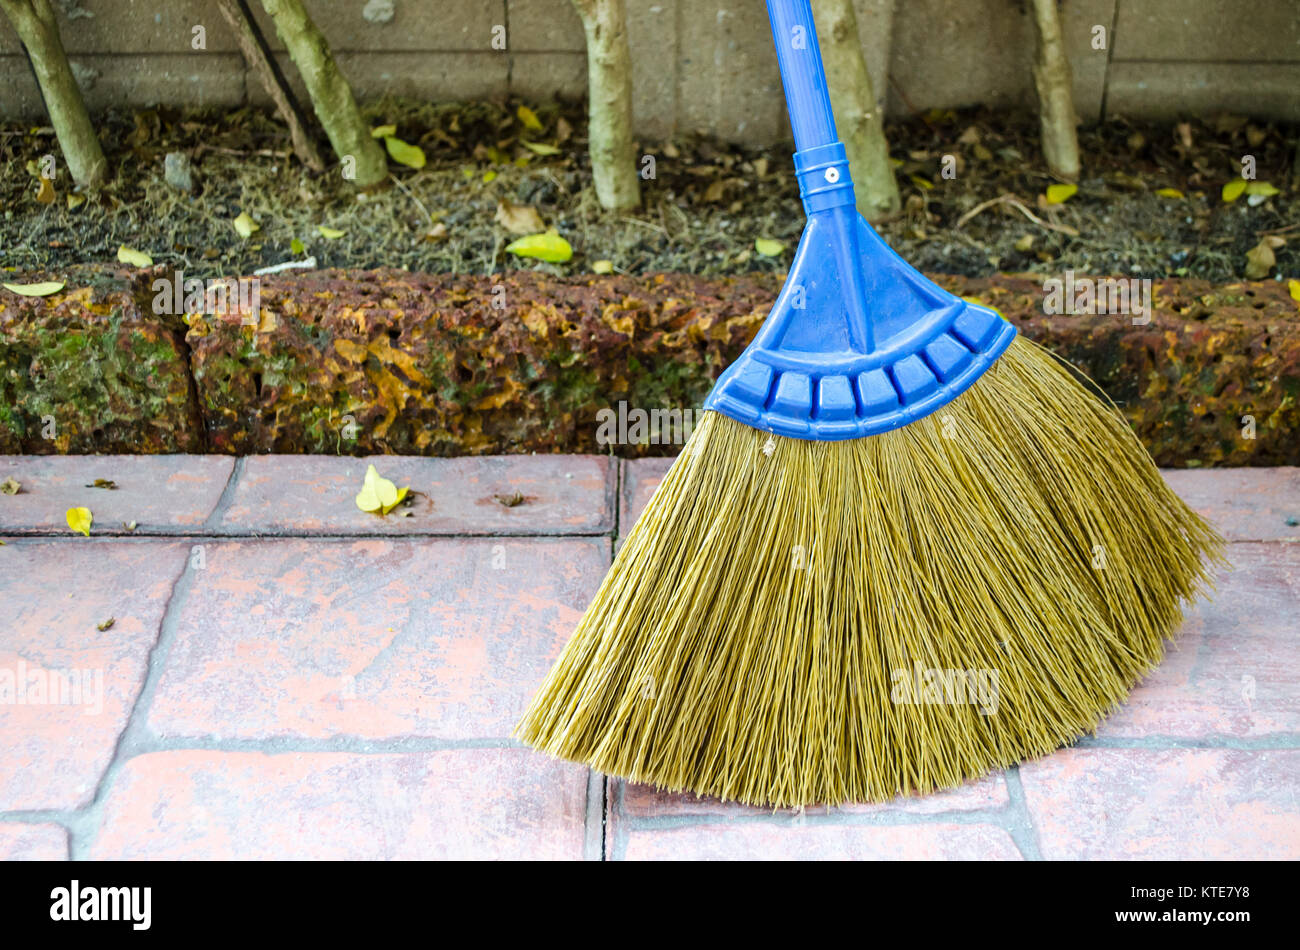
column 903, row 547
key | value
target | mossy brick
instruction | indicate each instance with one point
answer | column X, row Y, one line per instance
column 390, row 362
column 89, row 369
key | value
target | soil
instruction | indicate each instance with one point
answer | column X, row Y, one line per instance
column 702, row 210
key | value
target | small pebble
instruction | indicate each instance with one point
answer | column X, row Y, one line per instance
column 177, row 173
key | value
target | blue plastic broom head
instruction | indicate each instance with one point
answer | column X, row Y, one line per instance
column 858, row 342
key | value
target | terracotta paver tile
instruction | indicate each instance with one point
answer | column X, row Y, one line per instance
column 378, row 638
column 55, row 593
column 462, row 803
column 315, row 494
column 1235, row 669
column 169, row 493
column 1245, row 504
column 640, row 479
column 44, row 842
column 778, row 839
column 1168, row 804
column 645, row 801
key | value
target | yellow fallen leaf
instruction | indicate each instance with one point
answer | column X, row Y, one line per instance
column 1294, row 287
column 129, row 255
column 1262, row 188
column 769, row 247
column 46, row 194
column 488, row 176
column 540, row 148
column 330, row 234
column 383, row 131
column 75, row 200
column 296, row 247
column 378, row 494
column 1169, row 193
column 545, row 247
column 79, row 520
column 43, row 289
column 921, row 182
column 529, row 118
column 603, row 267
column 245, row 226
column 1059, row 194
column 404, row 153
column 1233, row 189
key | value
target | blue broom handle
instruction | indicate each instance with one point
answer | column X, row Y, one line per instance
column 806, row 95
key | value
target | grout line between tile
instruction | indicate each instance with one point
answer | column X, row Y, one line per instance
column 218, row 512
column 85, row 826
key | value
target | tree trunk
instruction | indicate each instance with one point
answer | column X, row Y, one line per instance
column 331, row 96
column 260, row 61
column 39, row 31
column 858, row 118
column 609, row 104
column 1055, row 93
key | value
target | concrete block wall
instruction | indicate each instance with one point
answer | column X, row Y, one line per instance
column 701, row 66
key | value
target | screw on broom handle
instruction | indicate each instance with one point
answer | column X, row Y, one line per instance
column 820, row 160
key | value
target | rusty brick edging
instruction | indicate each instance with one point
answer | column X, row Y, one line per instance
column 360, row 362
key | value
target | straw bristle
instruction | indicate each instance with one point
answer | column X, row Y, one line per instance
column 847, row 621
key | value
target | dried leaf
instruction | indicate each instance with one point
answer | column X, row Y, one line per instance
column 1059, row 194
column 769, row 247
column 43, row 289
column 519, row 219
column 79, row 520
column 1260, row 260
column 46, row 193
column 545, row 247
column 1024, row 243
column 512, row 500
column 404, row 153
column 11, row 486
column 75, row 200
column 105, row 483
column 1293, row 286
column 106, row 624
column 129, row 255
